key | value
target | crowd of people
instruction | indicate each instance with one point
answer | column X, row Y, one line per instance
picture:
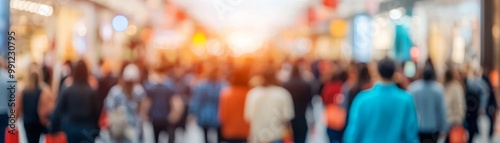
column 363, row 102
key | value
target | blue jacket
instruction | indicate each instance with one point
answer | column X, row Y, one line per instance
column 382, row 114
column 205, row 103
column 431, row 108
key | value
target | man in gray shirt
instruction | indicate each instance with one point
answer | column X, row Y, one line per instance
column 431, row 108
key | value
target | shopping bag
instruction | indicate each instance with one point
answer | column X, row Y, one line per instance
column 458, row 135
column 335, row 116
column 11, row 137
column 59, row 137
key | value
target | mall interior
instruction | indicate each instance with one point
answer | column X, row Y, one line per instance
column 462, row 34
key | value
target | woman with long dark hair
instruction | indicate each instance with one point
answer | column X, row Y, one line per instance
column 78, row 109
column 30, row 101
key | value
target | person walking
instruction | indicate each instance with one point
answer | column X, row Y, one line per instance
column 384, row 113
column 491, row 108
column 363, row 82
column 234, row 128
column 122, row 105
column 431, row 107
column 455, row 100
column 161, row 105
column 79, row 108
column 301, row 95
column 205, row 103
column 33, row 103
column 476, row 91
column 269, row 110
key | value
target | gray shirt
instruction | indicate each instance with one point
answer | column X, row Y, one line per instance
column 430, row 104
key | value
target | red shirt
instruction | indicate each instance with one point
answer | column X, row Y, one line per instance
column 231, row 113
column 330, row 91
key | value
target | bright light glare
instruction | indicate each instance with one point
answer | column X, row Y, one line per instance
column 396, row 14
column 242, row 43
column 120, row 23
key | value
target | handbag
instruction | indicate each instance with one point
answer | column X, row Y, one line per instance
column 458, row 134
column 11, row 138
column 335, row 115
column 59, row 137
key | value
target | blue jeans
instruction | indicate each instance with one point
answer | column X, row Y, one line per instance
column 4, row 122
column 334, row 135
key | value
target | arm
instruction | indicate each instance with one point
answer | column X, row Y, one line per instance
column 442, row 118
column 45, row 106
column 222, row 106
column 484, row 92
column 248, row 112
column 19, row 104
column 195, row 102
column 177, row 109
column 410, row 133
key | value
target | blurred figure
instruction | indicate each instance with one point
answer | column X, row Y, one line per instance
column 455, row 100
column 333, row 98
column 384, row 113
column 301, row 95
column 5, row 96
column 78, row 108
column 232, row 106
column 492, row 103
column 363, row 82
column 476, row 95
column 106, row 81
column 268, row 109
column 205, row 103
column 179, row 82
column 161, row 106
column 352, row 78
column 32, row 103
column 122, row 105
column 431, row 107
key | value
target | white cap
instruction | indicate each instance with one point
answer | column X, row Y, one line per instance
column 131, row 73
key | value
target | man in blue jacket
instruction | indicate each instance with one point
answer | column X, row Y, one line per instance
column 384, row 113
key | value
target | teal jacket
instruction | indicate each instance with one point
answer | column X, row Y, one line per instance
column 382, row 114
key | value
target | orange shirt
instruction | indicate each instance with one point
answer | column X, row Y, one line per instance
column 231, row 112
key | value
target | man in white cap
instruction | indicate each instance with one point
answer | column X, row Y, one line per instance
column 122, row 104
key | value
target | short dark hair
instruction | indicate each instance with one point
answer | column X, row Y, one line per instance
column 428, row 72
column 240, row 76
column 386, row 68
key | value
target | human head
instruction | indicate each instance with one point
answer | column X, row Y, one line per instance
column 80, row 73
column 386, row 68
column 449, row 75
column 428, row 72
column 240, row 76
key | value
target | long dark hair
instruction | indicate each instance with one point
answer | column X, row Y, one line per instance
column 81, row 73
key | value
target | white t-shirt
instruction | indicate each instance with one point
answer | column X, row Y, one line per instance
column 268, row 110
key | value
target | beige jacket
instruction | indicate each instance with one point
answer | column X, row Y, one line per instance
column 455, row 102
